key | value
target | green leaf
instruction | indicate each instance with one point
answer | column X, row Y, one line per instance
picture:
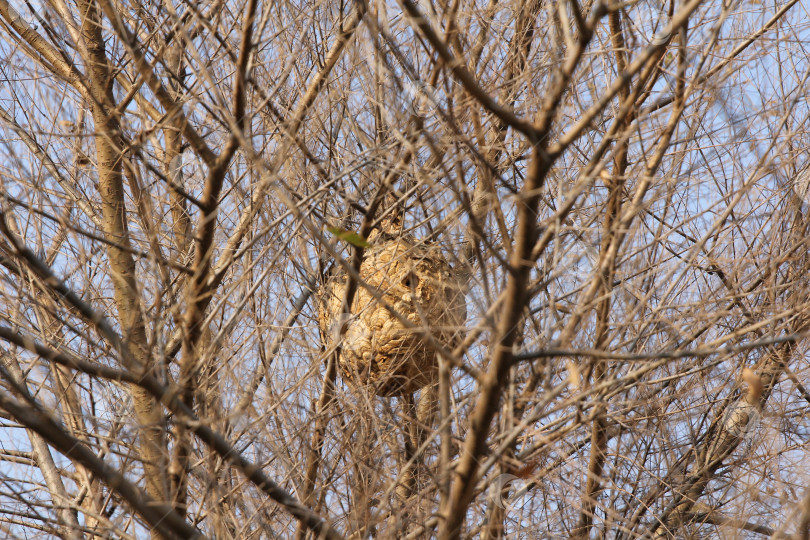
column 348, row 236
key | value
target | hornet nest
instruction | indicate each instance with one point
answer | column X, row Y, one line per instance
column 377, row 349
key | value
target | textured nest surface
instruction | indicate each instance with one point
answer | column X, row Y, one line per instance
column 377, row 349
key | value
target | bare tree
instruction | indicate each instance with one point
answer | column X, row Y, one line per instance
column 619, row 191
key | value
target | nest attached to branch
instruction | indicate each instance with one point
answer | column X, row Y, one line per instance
column 378, row 350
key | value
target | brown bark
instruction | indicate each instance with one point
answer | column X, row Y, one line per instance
column 488, row 403
column 148, row 411
column 616, row 183
column 198, row 291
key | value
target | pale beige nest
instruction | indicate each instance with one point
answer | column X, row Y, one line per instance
column 377, row 349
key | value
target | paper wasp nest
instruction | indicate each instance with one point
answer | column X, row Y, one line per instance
column 377, row 349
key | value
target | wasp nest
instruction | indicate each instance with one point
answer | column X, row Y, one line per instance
column 377, row 349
